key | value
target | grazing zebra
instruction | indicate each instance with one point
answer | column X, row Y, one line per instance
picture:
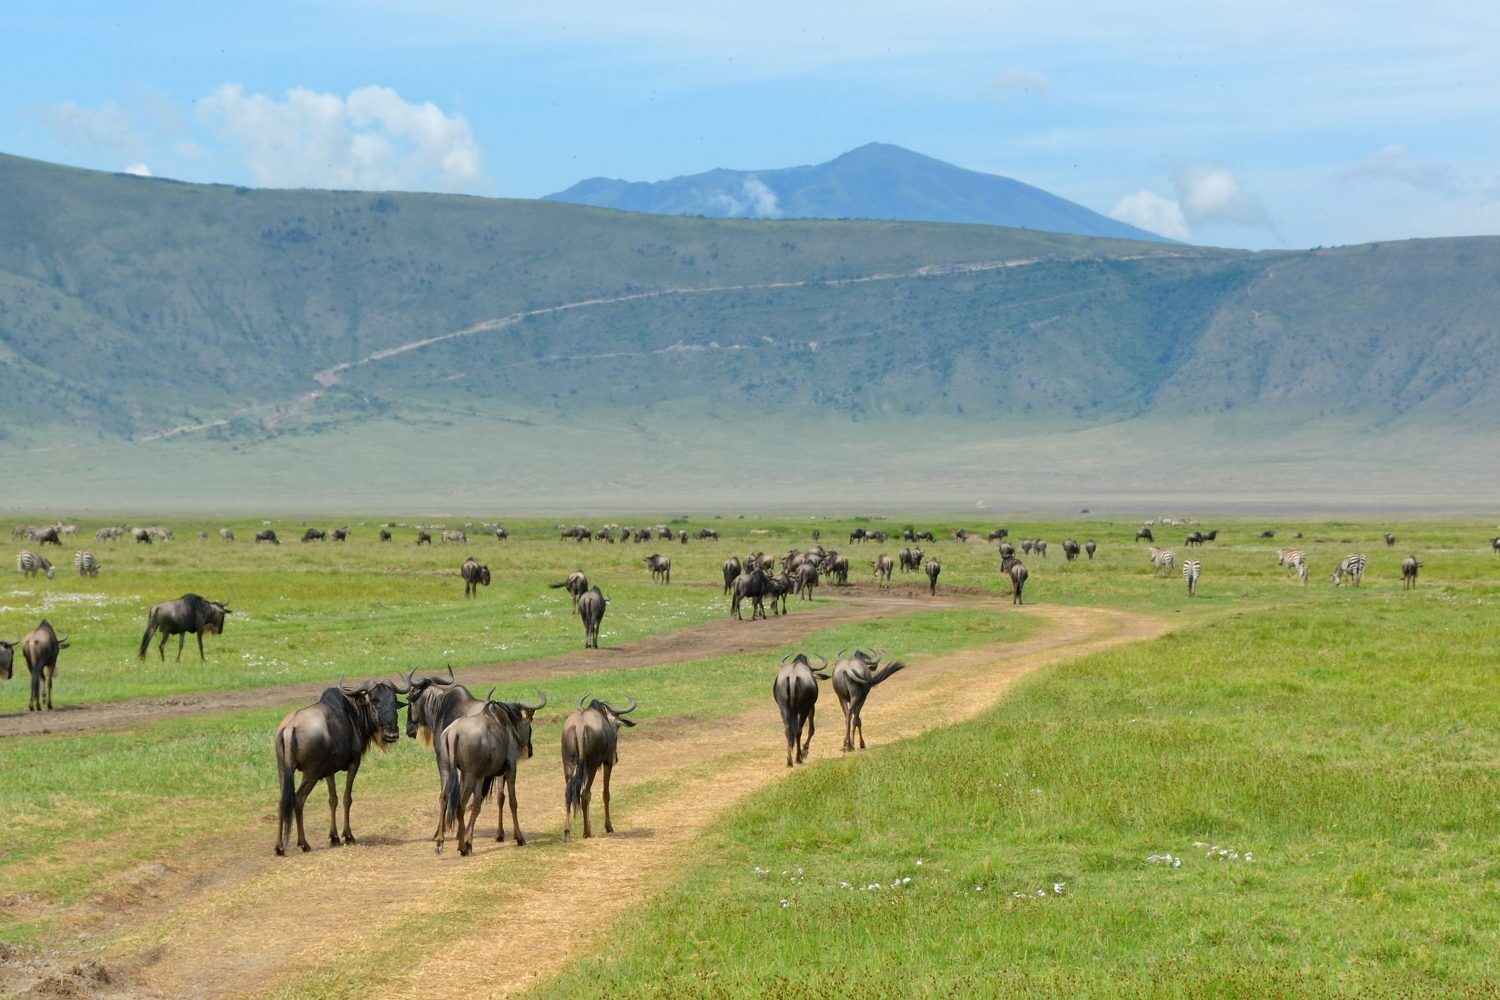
column 1353, row 567
column 1409, row 567
column 30, row 563
column 86, row 563
column 1163, row 560
column 1295, row 561
column 455, row 536
column 1192, row 569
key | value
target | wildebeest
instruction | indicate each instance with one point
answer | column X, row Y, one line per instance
column 189, row 613
column 1007, row 550
column 852, row 680
column 731, row 572
column 933, row 568
column 807, row 580
column 682, row 536
column 385, row 534
column 203, row 536
column 910, row 560
column 40, row 647
column 1268, row 533
column 267, row 536
column 341, row 534
column 141, row 536
column 226, row 534
column 1039, row 546
column 315, row 535
column 1409, row 567
column 837, row 566
column 1090, row 547
column 324, row 739
column 705, row 533
column 998, row 535
column 1194, row 538
column 780, row 588
column 755, row 584
column 501, row 534
column 29, row 563
column 475, row 576
column 591, row 607
column 590, row 741
column 1016, row 570
column 478, row 749
column 48, row 536
column 1027, row 545
column 576, row 585
column 796, row 692
column 85, row 563
column 1145, row 535
column 1390, row 540
column 883, row 567
column 858, row 535
column 423, row 538
column 1070, row 549
column 660, row 567
column 926, row 536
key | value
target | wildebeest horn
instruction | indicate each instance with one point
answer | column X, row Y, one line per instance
column 785, row 658
column 624, row 711
column 824, row 659
column 528, row 706
column 489, row 697
column 450, row 674
column 582, row 700
column 408, row 681
column 841, row 652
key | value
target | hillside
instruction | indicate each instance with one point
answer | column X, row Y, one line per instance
column 311, row 349
column 875, row 181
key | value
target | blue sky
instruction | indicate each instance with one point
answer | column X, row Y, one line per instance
column 1260, row 125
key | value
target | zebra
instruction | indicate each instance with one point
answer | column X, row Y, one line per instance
column 1409, row 567
column 30, row 563
column 1192, row 569
column 86, row 563
column 455, row 536
column 1295, row 561
column 1163, row 559
column 1353, row 567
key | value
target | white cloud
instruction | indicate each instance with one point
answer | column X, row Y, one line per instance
column 104, row 128
column 754, row 200
column 138, row 170
column 1393, row 165
column 1153, row 213
column 1018, row 80
column 371, row 140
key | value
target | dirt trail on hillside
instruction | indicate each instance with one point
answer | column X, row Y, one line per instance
column 719, row 637
column 262, row 921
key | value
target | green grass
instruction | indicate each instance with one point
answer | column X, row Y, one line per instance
column 1347, row 745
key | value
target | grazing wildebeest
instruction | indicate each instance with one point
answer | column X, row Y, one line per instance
column 315, row 535
column 781, row 587
column 858, row 535
column 267, row 536
column 1409, row 567
column 40, row 647
column 141, row 535
column 1210, row 536
column 1194, row 538
column 1268, row 534
column 660, row 567
column 590, row 741
column 910, row 560
column 576, row 585
column 48, row 536
column 731, row 572
column 807, row 580
column 1390, row 540
column 933, row 568
column 423, row 537
column 1070, row 549
column 1090, row 547
column 86, row 564
column 29, row 563
column 754, row 584
column 852, row 680
column 705, row 533
column 226, row 534
column 475, row 576
column 1016, row 570
column 341, row 534
column 478, row 749
column 796, row 692
column 926, row 536
column 189, row 613
column 883, row 566
column 998, row 535
column 456, row 536
column 501, row 534
column 324, row 739
column 385, row 534
column 591, row 606
column 1145, row 535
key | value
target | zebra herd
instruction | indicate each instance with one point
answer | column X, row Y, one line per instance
column 29, row 563
column 1351, row 568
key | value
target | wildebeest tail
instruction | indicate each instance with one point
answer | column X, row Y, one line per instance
column 146, row 639
column 574, row 794
column 886, row 671
column 557, row 586
column 286, row 763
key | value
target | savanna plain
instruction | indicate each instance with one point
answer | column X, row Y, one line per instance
column 1268, row 789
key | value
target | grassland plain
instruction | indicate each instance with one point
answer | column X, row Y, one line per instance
column 96, row 811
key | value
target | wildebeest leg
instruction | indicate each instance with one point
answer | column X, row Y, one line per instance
column 200, row 648
column 181, row 641
column 609, row 827
column 51, row 672
column 302, row 794
column 162, row 649
column 812, row 712
column 515, row 820
column 583, row 800
column 848, row 725
column 34, row 703
column 859, row 723
column 349, row 799
column 333, row 811
column 466, row 835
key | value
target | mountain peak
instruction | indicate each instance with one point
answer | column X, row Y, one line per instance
column 878, row 180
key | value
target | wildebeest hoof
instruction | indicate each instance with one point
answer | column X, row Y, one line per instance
column 349, row 839
column 437, row 848
column 608, row 828
column 333, row 841
column 520, row 841
column 280, row 851
column 305, row 847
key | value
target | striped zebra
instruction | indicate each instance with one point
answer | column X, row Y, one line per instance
column 1295, row 561
column 1192, row 569
column 1353, row 567
column 30, row 563
column 1163, row 560
column 86, row 563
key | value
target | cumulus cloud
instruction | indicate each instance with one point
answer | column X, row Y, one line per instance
column 754, row 200
column 372, row 139
column 1205, row 193
column 138, row 170
column 1393, row 165
column 1016, row 79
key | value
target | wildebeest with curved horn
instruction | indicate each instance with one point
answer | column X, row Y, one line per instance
column 576, row 585
column 754, row 584
column 324, row 739
column 731, row 572
column 796, row 692
column 315, row 535
column 475, row 576
column 852, row 680
column 660, row 567
column 188, row 614
column 478, row 749
column 591, row 606
column 1016, row 570
column 267, row 536
column 590, row 741
column 40, row 647
column 933, row 568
